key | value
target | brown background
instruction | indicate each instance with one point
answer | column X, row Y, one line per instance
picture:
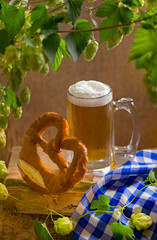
column 111, row 67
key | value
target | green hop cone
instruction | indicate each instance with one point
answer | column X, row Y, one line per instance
column 2, row 138
column 115, row 41
column 127, row 29
column 3, row 192
column 90, row 50
column 37, row 61
column 25, row 63
column 3, row 170
column 25, row 95
column 141, row 221
column 2, row 92
column 4, row 109
column 11, row 53
column 3, row 122
column 63, row 226
column 45, row 69
column 17, row 112
column 15, row 78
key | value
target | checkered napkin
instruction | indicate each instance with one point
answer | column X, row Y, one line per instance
column 120, row 185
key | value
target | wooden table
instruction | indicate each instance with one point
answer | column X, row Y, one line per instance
column 16, row 219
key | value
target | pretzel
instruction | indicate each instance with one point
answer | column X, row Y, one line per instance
column 36, row 174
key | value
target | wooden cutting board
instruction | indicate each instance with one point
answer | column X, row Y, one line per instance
column 64, row 203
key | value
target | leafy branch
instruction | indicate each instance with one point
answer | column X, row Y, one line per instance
column 34, row 41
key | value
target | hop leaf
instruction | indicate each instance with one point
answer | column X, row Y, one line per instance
column 101, row 204
column 42, row 231
column 151, row 89
column 152, row 177
column 90, row 50
column 119, row 230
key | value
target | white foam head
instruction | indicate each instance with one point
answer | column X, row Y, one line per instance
column 90, row 93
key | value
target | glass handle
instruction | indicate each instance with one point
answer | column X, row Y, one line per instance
column 128, row 151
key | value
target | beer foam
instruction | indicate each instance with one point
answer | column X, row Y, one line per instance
column 90, row 93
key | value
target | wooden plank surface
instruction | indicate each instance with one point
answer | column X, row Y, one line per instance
column 17, row 218
column 19, row 226
column 64, row 203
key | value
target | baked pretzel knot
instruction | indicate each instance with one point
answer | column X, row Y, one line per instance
column 36, row 174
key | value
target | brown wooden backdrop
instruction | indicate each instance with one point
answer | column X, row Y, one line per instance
column 111, row 67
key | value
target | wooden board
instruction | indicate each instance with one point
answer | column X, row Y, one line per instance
column 64, row 203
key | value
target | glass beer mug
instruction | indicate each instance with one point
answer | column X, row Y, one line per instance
column 90, row 113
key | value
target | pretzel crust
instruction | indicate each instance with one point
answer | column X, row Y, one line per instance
column 32, row 169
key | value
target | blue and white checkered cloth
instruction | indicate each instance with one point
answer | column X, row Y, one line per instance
column 120, row 185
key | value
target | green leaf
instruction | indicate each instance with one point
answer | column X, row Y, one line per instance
column 143, row 61
column 144, row 41
column 94, row 22
column 4, row 40
column 133, row 3
column 28, row 41
column 50, row 46
column 51, row 26
column 126, row 15
column 152, row 68
column 14, row 2
column 150, row 19
column 14, row 19
column 119, row 230
column 101, row 204
column 57, row 62
column 74, row 9
column 62, row 51
column 76, row 42
column 149, row 4
column 108, row 33
column 107, row 9
column 11, row 99
column 39, row 17
column 152, row 177
column 41, row 231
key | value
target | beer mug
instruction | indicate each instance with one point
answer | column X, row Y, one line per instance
column 90, row 113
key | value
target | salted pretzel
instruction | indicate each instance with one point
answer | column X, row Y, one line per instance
column 36, row 174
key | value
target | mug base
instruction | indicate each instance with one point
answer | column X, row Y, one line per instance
column 92, row 176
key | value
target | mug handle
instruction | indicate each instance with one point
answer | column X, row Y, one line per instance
column 129, row 151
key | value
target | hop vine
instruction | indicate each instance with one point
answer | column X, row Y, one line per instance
column 33, row 38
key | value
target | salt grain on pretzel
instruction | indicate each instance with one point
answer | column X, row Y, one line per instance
column 36, row 174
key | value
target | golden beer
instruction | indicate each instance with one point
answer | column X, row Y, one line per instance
column 90, row 119
column 93, row 126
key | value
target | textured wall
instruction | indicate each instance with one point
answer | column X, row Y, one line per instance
column 111, row 67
